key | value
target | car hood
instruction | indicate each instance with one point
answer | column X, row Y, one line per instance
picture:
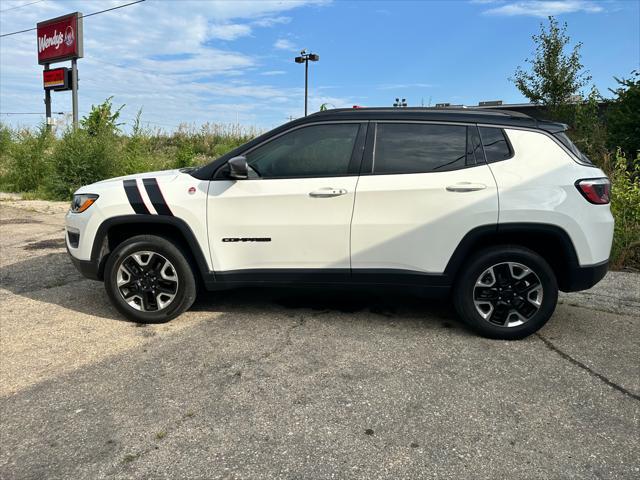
column 166, row 175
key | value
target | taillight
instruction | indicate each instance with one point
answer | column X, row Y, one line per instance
column 595, row 190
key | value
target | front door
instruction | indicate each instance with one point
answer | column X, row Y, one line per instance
column 291, row 217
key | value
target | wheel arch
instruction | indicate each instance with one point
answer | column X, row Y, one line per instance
column 116, row 230
column 550, row 241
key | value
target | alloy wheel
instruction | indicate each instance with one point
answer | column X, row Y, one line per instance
column 508, row 294
column 147, row 281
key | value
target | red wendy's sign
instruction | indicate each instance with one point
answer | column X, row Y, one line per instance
column 60, row 39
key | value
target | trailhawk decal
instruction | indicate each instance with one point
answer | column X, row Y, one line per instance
column 236, row 240
column 155, row 195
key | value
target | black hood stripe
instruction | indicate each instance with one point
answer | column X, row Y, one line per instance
column 155, row 195
column 134, row 197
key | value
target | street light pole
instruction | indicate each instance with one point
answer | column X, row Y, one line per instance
column 306, row 84
column 304, row 58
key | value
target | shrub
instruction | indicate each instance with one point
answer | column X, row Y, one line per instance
column 80, row 158
column 26, row 159
column 589, row 132
column 625, row 205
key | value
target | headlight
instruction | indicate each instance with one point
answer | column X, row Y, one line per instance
column 83, row 201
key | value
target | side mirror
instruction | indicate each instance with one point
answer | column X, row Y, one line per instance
column 238, row 168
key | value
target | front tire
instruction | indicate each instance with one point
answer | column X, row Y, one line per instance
column 506, row 292
column 149, row 279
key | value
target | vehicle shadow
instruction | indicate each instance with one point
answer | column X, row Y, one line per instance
column 375, row 302
column 52, row 278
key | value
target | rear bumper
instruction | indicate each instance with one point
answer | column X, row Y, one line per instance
column 583, row 278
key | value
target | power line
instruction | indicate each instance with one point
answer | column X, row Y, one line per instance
column 28, row 113
column 20, row 6
column 113, row 8
column 83, row 16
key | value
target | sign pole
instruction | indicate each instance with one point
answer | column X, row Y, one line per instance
column 74, row 91
column 58, row 40
column 47, row 103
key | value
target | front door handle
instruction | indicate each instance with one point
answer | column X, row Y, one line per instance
column 328, row 192
column 466, row 187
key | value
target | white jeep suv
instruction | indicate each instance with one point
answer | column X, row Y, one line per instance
column 496, row 207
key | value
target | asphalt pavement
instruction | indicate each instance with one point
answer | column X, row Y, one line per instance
column 258, row 384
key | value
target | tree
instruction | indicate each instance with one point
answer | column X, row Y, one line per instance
column 588, row 131
column 623, row 116
column 555, row 75
column 101, row 120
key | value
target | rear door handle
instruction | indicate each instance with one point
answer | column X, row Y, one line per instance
column 328, row 192
column 466, row 187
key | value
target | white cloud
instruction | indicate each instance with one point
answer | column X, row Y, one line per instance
column 165, row 56
column 273, row 72
column 545, row 8
column 284, row 44
column 271, row 21
column 399, row 86
column 229, row 31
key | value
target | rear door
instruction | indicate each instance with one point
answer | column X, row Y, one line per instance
column 423, row 187
column 292, row 216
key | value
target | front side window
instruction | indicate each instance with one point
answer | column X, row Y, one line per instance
column 420, row 148
column 313, row 151
column 496, row 146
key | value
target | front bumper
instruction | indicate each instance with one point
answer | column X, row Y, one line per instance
column 582, row 278
column 87, row 268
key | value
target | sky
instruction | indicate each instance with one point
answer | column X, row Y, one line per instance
column 227, row 62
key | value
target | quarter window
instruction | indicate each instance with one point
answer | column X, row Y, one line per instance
column 496, row 146
column 420, row 148
column 313, row 151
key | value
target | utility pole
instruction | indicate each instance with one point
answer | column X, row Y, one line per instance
column 304, row 58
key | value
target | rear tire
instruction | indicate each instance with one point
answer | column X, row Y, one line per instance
column 149, row 279
column 506, row 292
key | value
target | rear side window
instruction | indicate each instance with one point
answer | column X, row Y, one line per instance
column 496, row 145
column 420, row 148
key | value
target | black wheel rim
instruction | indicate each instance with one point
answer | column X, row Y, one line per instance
column 147, row 281
column 508, row 294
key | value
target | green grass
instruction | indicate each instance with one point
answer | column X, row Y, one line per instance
column 42, row 165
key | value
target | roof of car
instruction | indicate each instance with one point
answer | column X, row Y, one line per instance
column 447, row 114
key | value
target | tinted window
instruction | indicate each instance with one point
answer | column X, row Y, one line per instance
column 495, row 144
column 566, row 141
column 419, row 148
column 314, row 151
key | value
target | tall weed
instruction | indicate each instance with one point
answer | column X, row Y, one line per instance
column 625, row 206
column 25, row 159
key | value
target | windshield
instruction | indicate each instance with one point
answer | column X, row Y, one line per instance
column 566, row 141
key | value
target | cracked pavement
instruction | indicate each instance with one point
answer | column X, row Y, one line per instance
column 302, row 384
